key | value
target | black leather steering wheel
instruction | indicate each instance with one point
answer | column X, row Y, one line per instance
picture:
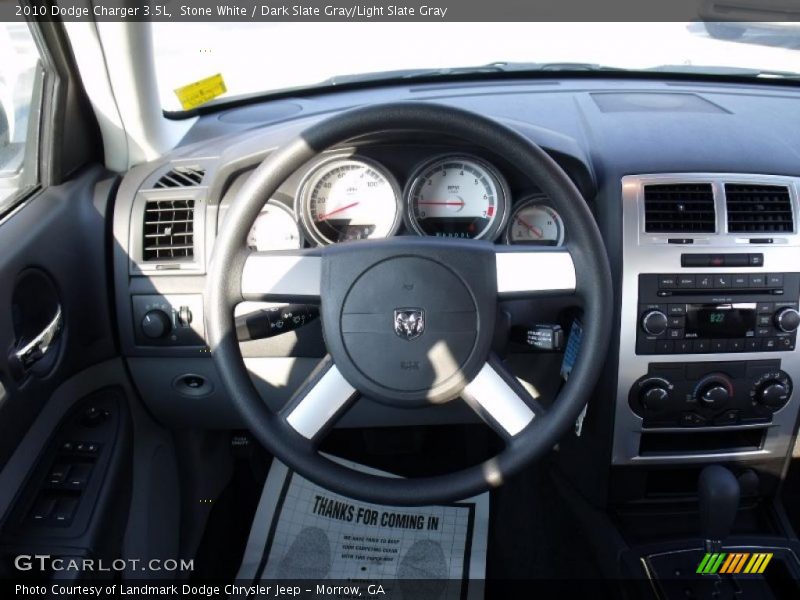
column 367, row 288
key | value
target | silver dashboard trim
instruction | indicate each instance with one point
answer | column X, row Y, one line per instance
column 274, row 275
column 650, row 253
column 535, row 271
column 321, row 404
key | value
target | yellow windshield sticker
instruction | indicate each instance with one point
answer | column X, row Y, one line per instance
column 200, row 92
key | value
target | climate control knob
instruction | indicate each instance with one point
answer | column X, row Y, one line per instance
column 654, row 322
column 654, row 394
column 714, row 391
column 772, row 390
column 156, row 324
column 787, row 319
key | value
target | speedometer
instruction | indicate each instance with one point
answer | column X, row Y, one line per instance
column 457, row 197
column 346, row 198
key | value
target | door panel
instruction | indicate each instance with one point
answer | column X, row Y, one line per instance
column 60, row 234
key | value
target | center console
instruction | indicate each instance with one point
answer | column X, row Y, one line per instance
column 708, row 329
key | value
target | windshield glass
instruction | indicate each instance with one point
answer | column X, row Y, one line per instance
column 265, row 57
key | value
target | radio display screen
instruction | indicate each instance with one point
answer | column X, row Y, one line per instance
column 720, row 320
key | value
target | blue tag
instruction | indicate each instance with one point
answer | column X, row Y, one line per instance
column 573, row 346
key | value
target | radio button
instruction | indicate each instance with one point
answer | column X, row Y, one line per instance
column 756, row 260
column 676, row 322
column 705, row 281
column 665, row 347
column 667, row 282
column 654, row 322
column 775, row 279
column 735, row 345
column 722, row 281
column 757, row 281
column 764, row 307
column 675, row 334
column 763, row 320
column 717, row 346
column 752, row 344
column 683, row 347
column 701, row 346
column 769, row 344
column 740, row 281
column 676, row 310
column 686, row 281
column 763, row 331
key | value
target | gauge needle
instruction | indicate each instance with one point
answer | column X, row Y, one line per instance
column 336, row 210
column 535, row 230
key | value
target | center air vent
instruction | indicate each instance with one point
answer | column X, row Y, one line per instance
column 679, row 208
column 758, row 208
column 168, row 230
column 181, row 177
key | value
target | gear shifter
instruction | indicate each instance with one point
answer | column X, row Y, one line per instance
column 718, row 491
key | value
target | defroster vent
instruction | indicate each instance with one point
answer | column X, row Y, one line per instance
column 758, row 208
column 181, row 177
column 679, row 208
column 168, row 230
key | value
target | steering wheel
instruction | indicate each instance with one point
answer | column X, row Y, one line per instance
column 409, row 321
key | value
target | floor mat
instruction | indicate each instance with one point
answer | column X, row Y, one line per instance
column 304, row 532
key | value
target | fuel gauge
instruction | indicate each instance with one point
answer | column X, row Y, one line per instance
column 535, row 223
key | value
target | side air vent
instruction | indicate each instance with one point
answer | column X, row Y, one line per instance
column 181, row 177
column 758, row 208
column 168, row 230
column 679, row 208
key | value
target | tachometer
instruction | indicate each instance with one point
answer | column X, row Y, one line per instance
column 535, row 223
column 275, row 229
column 346, row 199
column 457, row 197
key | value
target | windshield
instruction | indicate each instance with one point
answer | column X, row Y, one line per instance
column 267, row 57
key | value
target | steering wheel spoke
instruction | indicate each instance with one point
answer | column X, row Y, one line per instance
column 500, row 400
column 319, row 402
column 532, row 272
column 286, row 276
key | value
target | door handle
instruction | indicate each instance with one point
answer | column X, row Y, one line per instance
column 36, row 349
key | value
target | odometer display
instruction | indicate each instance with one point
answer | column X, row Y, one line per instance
column 457, row 197
column 344, row 199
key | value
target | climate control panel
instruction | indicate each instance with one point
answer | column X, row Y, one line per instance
column 710, row 393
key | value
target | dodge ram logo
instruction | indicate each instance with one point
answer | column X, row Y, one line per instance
column 409, row 323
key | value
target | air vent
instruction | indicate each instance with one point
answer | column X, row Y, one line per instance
column 758, row 208
column 181, row 177
column 168, row 230
column 679, row 208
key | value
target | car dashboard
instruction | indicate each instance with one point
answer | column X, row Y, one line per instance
column 694, row 186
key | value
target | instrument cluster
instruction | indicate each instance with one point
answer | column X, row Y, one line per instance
column 349, row 197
